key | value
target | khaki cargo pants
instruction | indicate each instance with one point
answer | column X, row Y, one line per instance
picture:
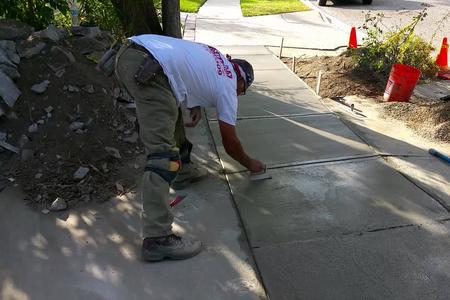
column 161, row 130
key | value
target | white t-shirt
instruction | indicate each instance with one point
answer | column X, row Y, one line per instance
column 198, row 74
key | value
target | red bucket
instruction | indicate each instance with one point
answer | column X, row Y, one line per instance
column 401, row 83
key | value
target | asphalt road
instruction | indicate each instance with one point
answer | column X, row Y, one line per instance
column 397, row 13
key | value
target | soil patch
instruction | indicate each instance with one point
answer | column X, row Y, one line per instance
column 75, row 123
column 430, row 119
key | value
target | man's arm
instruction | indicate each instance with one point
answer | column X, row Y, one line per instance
column 234, row 148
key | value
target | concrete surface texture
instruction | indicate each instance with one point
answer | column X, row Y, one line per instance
column 93, row 251
column 404, row 263
column 352, row 228
column 329, row 200
column 397, row 13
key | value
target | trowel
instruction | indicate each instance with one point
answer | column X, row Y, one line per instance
column 262, row 175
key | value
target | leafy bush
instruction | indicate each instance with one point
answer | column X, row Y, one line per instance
column 37, row 13
column 383, row 49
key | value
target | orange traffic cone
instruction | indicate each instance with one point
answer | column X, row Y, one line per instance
column 442, row 58
column 442, row 61
column 353, row 42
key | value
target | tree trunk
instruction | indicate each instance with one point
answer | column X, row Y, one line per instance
column 171, row 18
column 138, row 16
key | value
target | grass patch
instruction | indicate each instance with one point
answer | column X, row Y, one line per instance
column 191, row 6
column 270, row 7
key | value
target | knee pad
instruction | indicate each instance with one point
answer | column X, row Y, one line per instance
column 165, row 164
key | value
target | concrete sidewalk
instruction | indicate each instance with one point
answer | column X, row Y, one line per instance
column 221, row 23
column 336, row 221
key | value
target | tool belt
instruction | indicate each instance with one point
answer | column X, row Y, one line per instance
column 148, row 70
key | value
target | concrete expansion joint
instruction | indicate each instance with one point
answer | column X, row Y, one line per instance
column 316, row 162
column 262, row 117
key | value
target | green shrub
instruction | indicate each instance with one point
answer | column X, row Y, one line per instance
column 37, row 13
column 382, row 49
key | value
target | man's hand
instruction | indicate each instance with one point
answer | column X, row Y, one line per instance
column 255, row 166
column 196, row 115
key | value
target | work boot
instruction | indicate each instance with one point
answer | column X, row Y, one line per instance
column 169, row 247
column 189, row 173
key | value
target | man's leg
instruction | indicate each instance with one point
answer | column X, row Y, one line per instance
column 157, row 113
column 189, row 172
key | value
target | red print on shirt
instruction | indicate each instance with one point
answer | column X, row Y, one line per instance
column 222, row 69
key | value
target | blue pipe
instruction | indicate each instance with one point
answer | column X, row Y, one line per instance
column 440, row 155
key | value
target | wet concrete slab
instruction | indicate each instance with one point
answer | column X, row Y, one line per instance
column 277, row 80
column 288, row 140
column 275, row 103
column 406, row 263
column 319, row 201
column 430, row 173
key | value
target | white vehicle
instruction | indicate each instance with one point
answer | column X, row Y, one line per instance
column 324, row 2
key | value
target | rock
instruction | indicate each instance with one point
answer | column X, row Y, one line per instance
column 49, row 109
column 4, row 59
column 40, row 122
column 113, row 152
column 14, row 30
column 38, row 176
column 61, row 57
column 40, row 88
column 76, row 125
column 9, row 147
column 91, row 32
column 51, row 33
column 45, row 211
column 89, row 88
column 80, row 173
column 86, row 45
column 33, row 128
column 10, row 48
column 31, row 49
column 58, row 204
column 60, row 73
column 8, row 90
column 49, row 115
column 3, row 136
column 132, row 139
column 10, row 71
column 23, row 140
column 73, row 89
column 27, row 154
column 8, row 45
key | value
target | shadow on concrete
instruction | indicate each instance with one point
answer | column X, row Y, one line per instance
column 92, row 251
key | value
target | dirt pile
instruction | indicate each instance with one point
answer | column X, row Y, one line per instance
column 68, row 128
column 338, row 76
column 431, row 120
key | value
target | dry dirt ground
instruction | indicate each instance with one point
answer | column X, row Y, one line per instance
column 49, row 157
column 430, row 119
